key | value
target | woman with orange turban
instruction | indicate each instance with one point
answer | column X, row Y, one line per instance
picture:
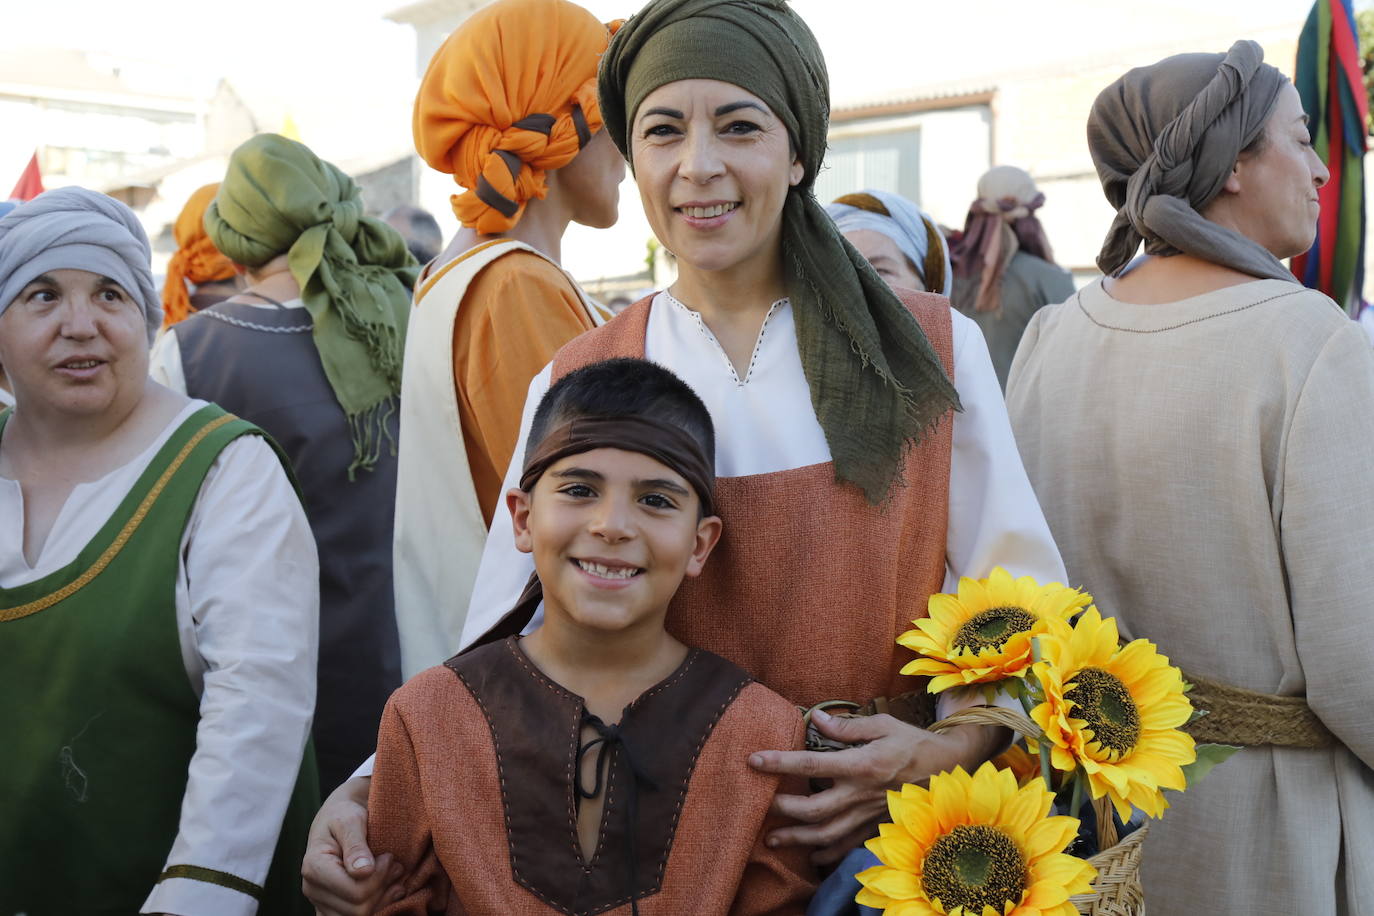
column 508, row 108
column 197, row 261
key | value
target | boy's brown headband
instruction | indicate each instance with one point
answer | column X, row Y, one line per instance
column 663, row 442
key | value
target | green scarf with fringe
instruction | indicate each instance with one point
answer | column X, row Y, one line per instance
column 876, row 382
column 354, row 271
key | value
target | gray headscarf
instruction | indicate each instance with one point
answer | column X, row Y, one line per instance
column 1164, row 139
column 909, row 227
column 76, row 229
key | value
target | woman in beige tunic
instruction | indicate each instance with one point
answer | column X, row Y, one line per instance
column 1197, row 427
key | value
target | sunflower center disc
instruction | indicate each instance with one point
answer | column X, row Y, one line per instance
column 992, row 628
column 974, row 866
column 1106, row 705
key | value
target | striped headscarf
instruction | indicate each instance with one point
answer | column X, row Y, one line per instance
column 1001, row 221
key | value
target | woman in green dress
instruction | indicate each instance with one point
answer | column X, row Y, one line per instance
column 158, row 603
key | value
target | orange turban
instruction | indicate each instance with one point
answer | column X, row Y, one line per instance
column 196, row 258
column 510, row 94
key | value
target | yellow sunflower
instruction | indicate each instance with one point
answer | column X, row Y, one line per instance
column 984, row 634
column 1116, row 713
column 974, row 846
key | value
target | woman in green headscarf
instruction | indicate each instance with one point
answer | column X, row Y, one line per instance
column 311, row 351
column 851, row 489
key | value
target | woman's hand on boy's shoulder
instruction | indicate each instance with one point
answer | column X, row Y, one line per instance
column 839, row 818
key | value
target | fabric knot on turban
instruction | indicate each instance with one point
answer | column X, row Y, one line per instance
column 354, row 271
column 876, row 383
column 909, row 227
column 76, row 229
column 1165, row 138
column 196, row 259
column 1008, row 192
column 510, row 95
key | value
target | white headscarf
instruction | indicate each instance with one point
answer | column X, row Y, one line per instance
column 909, row 227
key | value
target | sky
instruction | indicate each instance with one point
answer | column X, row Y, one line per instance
column 297, row 45
column 327, row 63
column 347, row 76
column 324, row 62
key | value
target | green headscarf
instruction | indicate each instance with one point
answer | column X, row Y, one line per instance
column 876, row 382
column 354, row 271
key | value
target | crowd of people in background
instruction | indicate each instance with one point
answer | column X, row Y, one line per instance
column 341, row 487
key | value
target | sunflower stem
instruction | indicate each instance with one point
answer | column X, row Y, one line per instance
column 1076, row 801
column 1044, row 743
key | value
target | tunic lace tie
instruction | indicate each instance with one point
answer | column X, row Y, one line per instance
column 609, row 737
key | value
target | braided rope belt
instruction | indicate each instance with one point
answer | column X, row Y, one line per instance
column 1252, row 719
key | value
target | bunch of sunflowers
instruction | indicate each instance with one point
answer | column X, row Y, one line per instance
column 1104, row 721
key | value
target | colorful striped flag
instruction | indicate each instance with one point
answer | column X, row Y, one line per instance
column 1330, row 81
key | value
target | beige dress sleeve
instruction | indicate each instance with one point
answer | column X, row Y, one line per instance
column 1328, row 499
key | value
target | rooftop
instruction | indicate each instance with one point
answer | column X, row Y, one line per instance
column 91, row 77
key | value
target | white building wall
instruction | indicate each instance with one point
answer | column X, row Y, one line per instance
column 956, row 148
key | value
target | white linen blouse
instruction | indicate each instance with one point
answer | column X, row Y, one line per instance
column 765, row 422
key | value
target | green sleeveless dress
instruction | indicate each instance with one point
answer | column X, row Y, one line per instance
column 98, row 718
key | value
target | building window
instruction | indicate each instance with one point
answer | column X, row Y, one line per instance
column 888, row 161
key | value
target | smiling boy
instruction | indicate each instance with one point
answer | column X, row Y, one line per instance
column 598, row 764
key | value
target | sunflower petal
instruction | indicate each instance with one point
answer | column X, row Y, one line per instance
column 1051, row 835
column 891, row 882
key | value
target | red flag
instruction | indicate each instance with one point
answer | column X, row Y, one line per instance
column 30, row 183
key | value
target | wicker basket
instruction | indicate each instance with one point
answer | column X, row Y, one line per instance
column 1116, row 890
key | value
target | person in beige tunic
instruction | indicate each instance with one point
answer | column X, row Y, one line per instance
column 1195, row 426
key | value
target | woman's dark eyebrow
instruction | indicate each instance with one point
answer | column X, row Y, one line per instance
column 666, row 112
column 736, row 106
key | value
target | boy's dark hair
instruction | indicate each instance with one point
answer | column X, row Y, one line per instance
column 624, row 387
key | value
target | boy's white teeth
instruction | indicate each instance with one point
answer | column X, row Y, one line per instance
column 709, row 212
column 608, row 572
column 83, row 364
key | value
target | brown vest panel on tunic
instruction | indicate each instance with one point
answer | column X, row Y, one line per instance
column 810, row 585
column 535, row 727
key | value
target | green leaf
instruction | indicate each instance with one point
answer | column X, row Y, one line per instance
column 1208, row 756
column 1198, row 713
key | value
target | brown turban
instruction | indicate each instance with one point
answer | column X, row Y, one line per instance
column 1164, row 139
column 510, row 95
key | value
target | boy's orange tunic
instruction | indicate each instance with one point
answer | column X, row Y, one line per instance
column 474, row 793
